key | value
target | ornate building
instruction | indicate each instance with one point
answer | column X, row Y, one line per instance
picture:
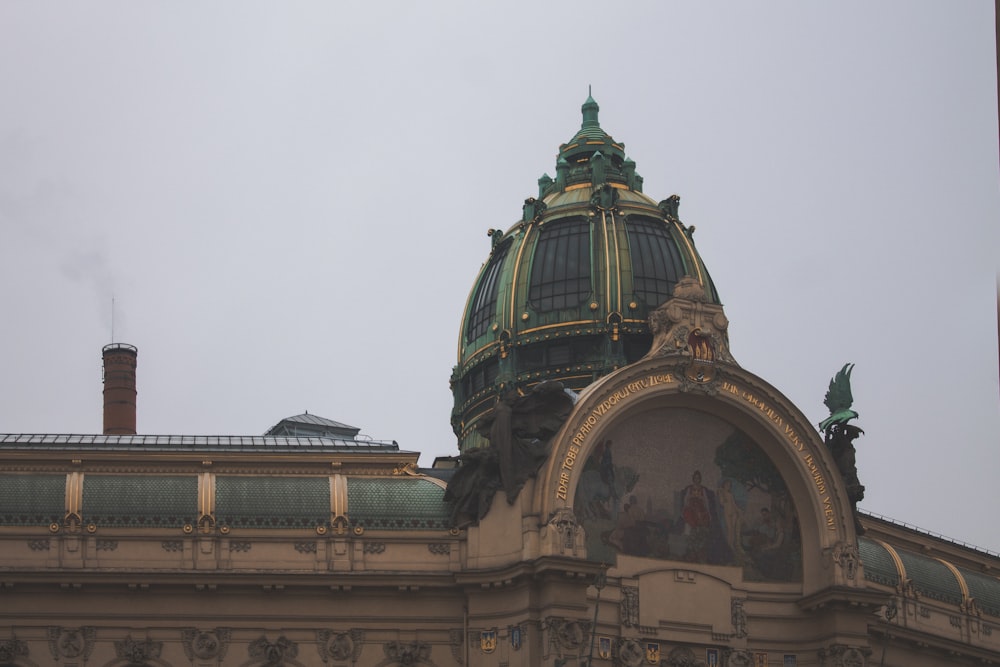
column 626, row 494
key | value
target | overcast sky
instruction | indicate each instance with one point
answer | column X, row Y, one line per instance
column 289, row 204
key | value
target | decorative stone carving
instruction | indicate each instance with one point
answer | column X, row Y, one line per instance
column 71, row 642
column 38, row 545
column 374, row 547
column 693, row 329
column 519, row 428
column 629, row 653
column 107, row 545
column 670, row 207
column 731, row 658
column 739, row 617
column 172, row 545
column 138, row 652
column 12, row 649
column 629, row 606
column 682, row 656
column 567, row 635
column 847, row 557
column 605, row 197
column 530, row 212
column 562, row 533
column 205, row 644
column 240, row 547
column 340, row 646
column 401, row 653
column 841, row 655
column 439, row 548
column 305, row 547
column 272, row 653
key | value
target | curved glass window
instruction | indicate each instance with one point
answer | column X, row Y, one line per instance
column 656, row 262
column 485, row 302
column 560, row 272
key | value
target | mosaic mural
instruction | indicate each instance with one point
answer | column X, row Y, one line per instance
column 683, row 485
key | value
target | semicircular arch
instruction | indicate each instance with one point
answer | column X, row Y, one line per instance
column 653, row 397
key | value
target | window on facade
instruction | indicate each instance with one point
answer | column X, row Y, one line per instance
column 560, row 272
column 656, row 262
column 485, row 302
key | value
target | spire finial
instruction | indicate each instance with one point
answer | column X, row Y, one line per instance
column 590, row 110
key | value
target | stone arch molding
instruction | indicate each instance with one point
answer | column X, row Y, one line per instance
column 733, row 395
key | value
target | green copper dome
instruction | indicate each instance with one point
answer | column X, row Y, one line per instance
column 566, row 291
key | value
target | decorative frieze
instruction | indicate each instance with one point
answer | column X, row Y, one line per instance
column 305, row 547
column 439, row 548
column 239, row 547
column 172, row 546
column 39, row 545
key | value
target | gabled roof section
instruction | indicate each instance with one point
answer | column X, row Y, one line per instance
column 312, row 426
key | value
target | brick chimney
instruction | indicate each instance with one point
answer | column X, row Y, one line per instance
column 119, row 389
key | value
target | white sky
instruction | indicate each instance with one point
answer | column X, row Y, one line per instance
column 289, row 203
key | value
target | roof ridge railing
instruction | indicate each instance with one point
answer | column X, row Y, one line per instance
column 929, row 533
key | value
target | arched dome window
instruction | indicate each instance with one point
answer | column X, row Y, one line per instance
column 560, row 271
column 656, row 261
column 485, row 302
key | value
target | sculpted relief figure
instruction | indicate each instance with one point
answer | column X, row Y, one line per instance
column 519, row 428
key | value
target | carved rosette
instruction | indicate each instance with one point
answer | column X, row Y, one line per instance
column 340, row 646
column 205, row 644
column 690, row 327
column 842, row 655
column 71, row 642
column 629, row 606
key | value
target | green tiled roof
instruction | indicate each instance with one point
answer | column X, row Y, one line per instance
column 393, row 503
column 32, row 500
column 879, row 565
column 931, row 577
column 984, row 590
column 272, row 502
column 124, row 500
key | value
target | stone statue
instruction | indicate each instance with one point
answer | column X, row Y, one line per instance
column 839, row 436
column 519, row 429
